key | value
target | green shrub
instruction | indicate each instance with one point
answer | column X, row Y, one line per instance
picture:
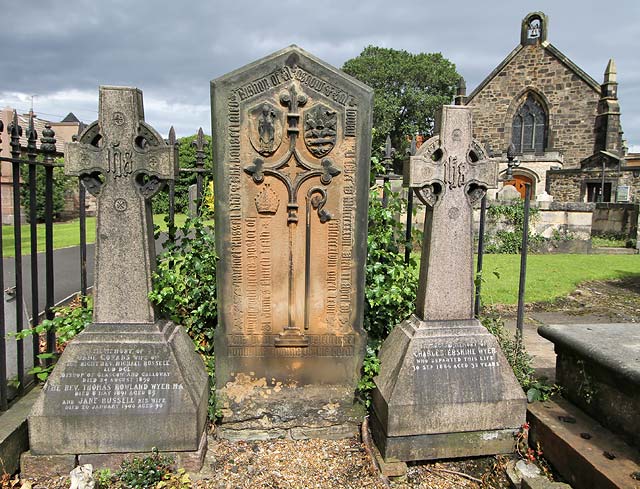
column 509, row 240
column 391, row 284
column 519, row 360
column 184, row 288
column 61, row 185
column 68, row 321
column 145, row 472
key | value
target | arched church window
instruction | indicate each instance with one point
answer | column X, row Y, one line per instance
column 529, row 129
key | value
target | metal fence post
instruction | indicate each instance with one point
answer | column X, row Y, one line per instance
column 523, row 264
column 16, row 133
column 32, row 153
column 3, row 350
column 48, row 147
column 483, row 214
column 409, row 225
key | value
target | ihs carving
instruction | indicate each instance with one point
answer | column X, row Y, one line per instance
column 320, row 130
column 267, row 201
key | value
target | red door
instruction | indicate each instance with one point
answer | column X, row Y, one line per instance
column 519, row 182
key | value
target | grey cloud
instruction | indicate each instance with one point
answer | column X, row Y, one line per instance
column 173, row 49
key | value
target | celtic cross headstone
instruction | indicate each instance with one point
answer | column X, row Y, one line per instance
column 130, row 382
column 124, row 162
column 445, row 389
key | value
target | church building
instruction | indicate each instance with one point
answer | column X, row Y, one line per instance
column 565, row 127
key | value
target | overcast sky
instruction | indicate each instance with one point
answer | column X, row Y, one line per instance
column 61, row 51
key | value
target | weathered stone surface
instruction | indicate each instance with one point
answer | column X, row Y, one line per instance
column 583, row 452
column 445, row 389
column 129, row 382
column 261, row 411
column 41, row 466
column 191, row 461
column 598, row 366
column 294, row 139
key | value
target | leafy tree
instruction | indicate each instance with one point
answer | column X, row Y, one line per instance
column 61, row 185
column 187, row 159
column 409, row 88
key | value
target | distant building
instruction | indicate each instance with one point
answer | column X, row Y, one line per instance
column 564, row 125
column 64, row 131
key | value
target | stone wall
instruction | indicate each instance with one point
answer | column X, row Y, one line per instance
column 615, row 219
column 571, row 104
column 565, row 186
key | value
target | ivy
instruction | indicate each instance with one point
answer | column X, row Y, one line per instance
column 184, row 288
column 509, row 239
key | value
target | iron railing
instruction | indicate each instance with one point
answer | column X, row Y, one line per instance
column 25, row 158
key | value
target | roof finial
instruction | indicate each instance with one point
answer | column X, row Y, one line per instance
column 611, row 72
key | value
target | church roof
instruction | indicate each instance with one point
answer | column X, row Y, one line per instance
column 544, row 44
column 71, row 117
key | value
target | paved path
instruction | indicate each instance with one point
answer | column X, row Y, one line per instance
column 66, row 270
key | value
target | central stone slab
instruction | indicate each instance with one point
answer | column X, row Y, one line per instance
column 292, row 173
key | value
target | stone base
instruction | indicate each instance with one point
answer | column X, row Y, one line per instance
column 123, row 388
column 41, row 466
column 445, row 390
column 442, row 445
column 253, row 409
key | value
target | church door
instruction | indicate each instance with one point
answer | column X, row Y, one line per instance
column 519, row 182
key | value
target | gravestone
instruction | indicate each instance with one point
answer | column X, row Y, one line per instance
column 293, row 142
column 445, row 389
column 130, row 381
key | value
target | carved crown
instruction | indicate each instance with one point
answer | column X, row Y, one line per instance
column 267, row 201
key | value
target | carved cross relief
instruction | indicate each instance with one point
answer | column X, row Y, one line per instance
column 293, row 169
column 450, row 173
column 123, row 162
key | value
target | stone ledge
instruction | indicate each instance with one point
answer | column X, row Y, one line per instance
column 601, row 344
column 580, row 449
column 14, row 436
column 42, row 466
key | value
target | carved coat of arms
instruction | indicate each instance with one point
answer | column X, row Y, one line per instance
column 320, row 130
column 265, row 133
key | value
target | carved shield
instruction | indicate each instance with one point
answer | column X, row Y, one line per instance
column 320, row 129
column 265, row 121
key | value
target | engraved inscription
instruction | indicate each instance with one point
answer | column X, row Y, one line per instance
column 119, row 162
column 333, row 257
column 471, row 355
column 251, row 275
column 117, row 379
column 351, row 122
column 235, row 210
column 265, row 275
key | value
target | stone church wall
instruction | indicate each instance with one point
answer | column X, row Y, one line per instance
column 571, row 104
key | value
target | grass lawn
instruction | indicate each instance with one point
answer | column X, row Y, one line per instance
column 67, row 234
column 550, row 276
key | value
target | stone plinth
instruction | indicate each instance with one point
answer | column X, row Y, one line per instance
column 130, row 382
column 445, row 390
column 293, row 142
column 598, row 367
column 122, row 388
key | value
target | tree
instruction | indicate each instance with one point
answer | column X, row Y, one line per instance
column 187, row 159
column 409, row 88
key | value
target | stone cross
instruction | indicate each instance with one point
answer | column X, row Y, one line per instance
column 450, row 173
column 123, row 162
